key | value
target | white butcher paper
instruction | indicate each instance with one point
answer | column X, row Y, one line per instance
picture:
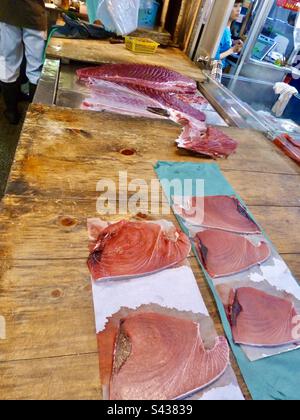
column 279, row 276
column 174, row 288
column 226, row 393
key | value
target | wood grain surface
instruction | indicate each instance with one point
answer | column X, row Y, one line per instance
column 45, row 295
column 99, row 52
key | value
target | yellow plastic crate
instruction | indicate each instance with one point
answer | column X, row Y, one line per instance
column 141, row 45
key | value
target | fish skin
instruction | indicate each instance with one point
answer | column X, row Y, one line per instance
column 153, row 372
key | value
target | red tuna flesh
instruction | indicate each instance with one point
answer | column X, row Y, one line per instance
column 148, row 76
column 212, row 142
column 131, row 249
column 216, row 212
column 224, row 254
column 260, row 319
column 165, row 359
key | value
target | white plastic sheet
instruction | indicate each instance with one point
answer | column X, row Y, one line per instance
column 120, row 16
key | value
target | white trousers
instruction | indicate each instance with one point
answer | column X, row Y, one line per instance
column 13, row 42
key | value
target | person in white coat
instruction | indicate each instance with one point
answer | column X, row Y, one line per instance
column 23, row 25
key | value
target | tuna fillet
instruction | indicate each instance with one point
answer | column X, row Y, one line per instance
column 216, row 212
column 172, row 102
column 145, row 75
column 130, row 249
column 193, row 99
column 160, row 357
column 158, row 90
column 290, row 147
column 112, row 97
column 261, row 320
column 224, row 254
column 213, row 142
column 144, row 97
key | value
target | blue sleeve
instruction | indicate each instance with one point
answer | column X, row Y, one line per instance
column 225, row 44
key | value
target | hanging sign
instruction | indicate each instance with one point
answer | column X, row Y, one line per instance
column 289, row 4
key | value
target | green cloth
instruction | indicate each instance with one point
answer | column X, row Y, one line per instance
column 92, row 6
column 274, row 378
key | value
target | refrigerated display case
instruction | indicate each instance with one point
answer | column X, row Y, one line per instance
column 271, row 55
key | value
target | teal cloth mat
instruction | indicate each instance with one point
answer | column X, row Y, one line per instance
column 274, row 378
column 92, row 6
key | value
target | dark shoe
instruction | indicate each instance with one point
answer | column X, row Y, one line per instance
column 23, row 97
column 12, row 118
column 32, row 90
column 10, row 92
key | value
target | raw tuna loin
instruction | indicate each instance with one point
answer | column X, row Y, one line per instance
column 156, row 98
column 159, row 357
column 141, row 89
column 144, row 75
column 111, row 97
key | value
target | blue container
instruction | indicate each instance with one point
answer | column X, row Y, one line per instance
column 148, row 13
column 292, row 110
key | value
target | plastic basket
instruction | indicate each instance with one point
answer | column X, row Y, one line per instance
column 148, row 14
column 141, row 45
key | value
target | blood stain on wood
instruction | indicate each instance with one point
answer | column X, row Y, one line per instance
column 128, row 152
column 68, row 221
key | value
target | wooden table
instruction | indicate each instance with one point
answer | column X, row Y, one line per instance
column 93, row 51
column 45, row 293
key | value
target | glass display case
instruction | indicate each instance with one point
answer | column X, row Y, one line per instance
column 271, row 55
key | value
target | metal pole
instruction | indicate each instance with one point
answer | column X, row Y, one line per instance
column 164, row 13
column 192, row 24
column 262, row 13
column 215, row 27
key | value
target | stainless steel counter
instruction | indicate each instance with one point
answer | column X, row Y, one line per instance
column 59, row 86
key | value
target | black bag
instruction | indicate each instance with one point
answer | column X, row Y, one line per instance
column 78, row 29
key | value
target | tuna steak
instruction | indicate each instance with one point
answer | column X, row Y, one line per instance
column 131, row 249
column 144, row 75
column 224, row 254
column 261, row 320
column 159, row 357
column 216, row 212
